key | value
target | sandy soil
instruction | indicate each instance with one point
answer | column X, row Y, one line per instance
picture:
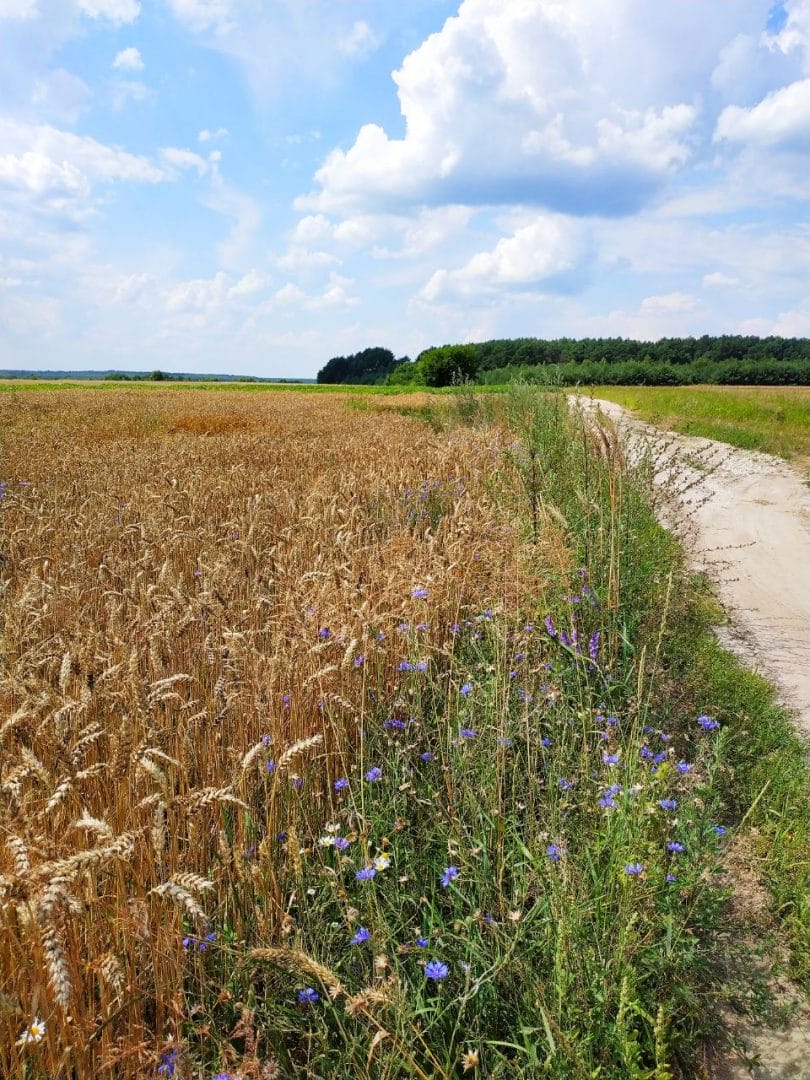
column 745, row 518
column 748, row 517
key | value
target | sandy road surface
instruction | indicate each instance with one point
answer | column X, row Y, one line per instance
column 748, row 516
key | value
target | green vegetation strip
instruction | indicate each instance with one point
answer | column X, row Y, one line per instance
column 754, row 418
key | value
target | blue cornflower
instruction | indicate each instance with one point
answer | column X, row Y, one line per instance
column 359, row 660
column 404, row 666
column 397, row 725
column 553, row 852
column 419, row 594
column 467, row 733
column 564, row 785
column 610, row 759
column 593, row 645
column 436, row 970
column 168, row 1062
column 450, row 874
column 271, row 766
column 422, row 942
column 366, row 873
column 606, row 801
column 646, row 753
column 505, row 742
column 683, row 767
column 341, row 783
column 545, row 742
column 455, row 628
column 634, row 869
column 361, row 936
column 660, row 757
column 421, row 665
column 427, row 756
column 551, row 630
column 324, row 632
column 341, row 843
column 668, row 804
column 308, row 996
column 466, row 689
column 676, row 847
column 708, row 724
column 720, row 830
column 373, row 774
column 224, row 1076
column 670, row 878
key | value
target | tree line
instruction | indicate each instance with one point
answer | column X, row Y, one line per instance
column 726, row 359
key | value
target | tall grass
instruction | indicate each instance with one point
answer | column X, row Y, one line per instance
column 332, row 746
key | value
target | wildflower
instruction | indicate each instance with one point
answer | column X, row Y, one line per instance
column 326, row 841
column 553, row 852
column 676, row 847
column 593, row 645
column 404, row 666
column 708, row 724
column 450, row 874
column 427, row 756
column 422, row 942
column 469, row 1060
column 359, row 660
column 550, row 628
column 683, row 767
column 466, row 689
column 634, row 869
column 341, row 843
column 436, row 970
column 168, row 1062
column 467, row 733
column 324, row 632
column 396, row 725
column 421, row 665
column 224, row 1076
column 668, row 804
column 34, row 1033
column 564, row 785
column 419, row 594
column 423, row 626
column 366, row 873
column 341, row 783
column 546, row 742
column 720, row 830
column 670, row 878
column 374, row 774
column 505, row 742
column 271, row 766
column 610, row 759
column 455, row 628
column 382, row 862
column 607, row 801
column 403, row 628
column 361, row 936
column 308, row 996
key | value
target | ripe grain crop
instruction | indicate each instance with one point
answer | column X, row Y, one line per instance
column 201, row 598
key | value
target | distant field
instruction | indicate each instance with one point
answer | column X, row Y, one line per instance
column 773, row 419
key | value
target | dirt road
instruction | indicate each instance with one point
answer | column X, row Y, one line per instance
column 749, row 521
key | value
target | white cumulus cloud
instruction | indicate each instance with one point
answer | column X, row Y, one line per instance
column 128, row 60
column 359, row 41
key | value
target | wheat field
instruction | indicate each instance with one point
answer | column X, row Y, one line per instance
column 201, row 597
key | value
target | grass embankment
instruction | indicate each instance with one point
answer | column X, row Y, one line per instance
column 378, row 755
column 755, row 418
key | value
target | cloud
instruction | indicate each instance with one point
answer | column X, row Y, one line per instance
column 360, row 41
column 200, row 15
column 208, row 294
column 128, row 59
column 545, row 255
column 181, row 160
column 18, row 9
column 781, row 119
column 212, row 136
column 117, row 11
column 719, row 280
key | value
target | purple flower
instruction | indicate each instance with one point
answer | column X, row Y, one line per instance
column 359, row 660
column 683, row 767
column 634, row 869
column 676, row 847
column 553, row 852
column 374, row 774
column 668, row 804
column 224, row 1076
column 455, row 628
column 467, row 733
column 436, row 970
column 361, row 936
column 422, row 942
column 366, row 873
column 545, row 742
column 308, row 996
column 404, row 666
column 670, row 878
column 341, row 843
column 271, row 766
column 720, row 830
column 397, row 725
column 421, row 665
column 550, row 627
column 324, row 632
column 593, row 645
column 427, row 756
column 419, row 594
column 610, row 759
column 707, row 723
column 168, row 1062
column 505, row 742
column 341, row 783
column 466, row 689
column 450, row 874
column 606, row 801
column 564, row 785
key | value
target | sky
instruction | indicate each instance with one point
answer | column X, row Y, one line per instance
column 255, row 186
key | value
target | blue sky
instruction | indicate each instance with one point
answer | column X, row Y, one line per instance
column 254, row 186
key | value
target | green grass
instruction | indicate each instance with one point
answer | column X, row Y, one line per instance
column 773, row 419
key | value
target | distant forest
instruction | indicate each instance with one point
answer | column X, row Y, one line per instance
column 728, row 359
